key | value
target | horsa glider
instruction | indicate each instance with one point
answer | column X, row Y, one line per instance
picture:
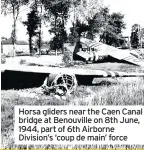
column 53, row 78
column 92, row 51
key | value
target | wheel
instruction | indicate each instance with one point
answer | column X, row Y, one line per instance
column 65, row 82
column 62, row 83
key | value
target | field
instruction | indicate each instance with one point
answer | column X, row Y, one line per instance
column 103, row 91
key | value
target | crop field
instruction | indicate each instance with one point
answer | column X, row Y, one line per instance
column 103, row 91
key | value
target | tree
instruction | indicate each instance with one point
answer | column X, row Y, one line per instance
column 60, row 36
column 38, row 6
column 112, row 32
column 92, row 26
column 84, row 14
column 32, row 24
column 13, row 7
column 97, row 22
column 86, row 9
column 134, row 39
column 77, row 30
column 2, row 38
column 142, row 33
column 58, row 12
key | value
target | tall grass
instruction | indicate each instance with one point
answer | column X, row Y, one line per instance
column 128, row 91
column 111, row 91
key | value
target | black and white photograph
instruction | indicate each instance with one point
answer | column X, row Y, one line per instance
column 70, row 53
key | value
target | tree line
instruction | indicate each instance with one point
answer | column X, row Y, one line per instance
column 89, row 19
column 137, row 36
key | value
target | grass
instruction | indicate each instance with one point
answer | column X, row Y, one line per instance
column 113, row 66
column 110, row 91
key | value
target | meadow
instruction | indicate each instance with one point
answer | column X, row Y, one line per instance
column 103, row 91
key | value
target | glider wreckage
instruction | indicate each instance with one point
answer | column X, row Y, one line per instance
column 92, row 51
column 63, row 81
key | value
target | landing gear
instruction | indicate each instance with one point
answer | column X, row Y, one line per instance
column 60, row 84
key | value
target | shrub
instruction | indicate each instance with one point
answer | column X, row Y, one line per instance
column 3, row 60
column 22, row 61
column 67, row 57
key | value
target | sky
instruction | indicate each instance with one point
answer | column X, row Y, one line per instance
column 132, row 9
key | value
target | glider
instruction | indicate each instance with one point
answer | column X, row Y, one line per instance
column 92, row 51
column 54, row 78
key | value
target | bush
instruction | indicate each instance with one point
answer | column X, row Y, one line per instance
column 22, row 61
column 55, row 43
column 67, row 57
column 3, row 60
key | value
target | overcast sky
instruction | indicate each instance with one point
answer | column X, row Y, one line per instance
column 132, row 9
